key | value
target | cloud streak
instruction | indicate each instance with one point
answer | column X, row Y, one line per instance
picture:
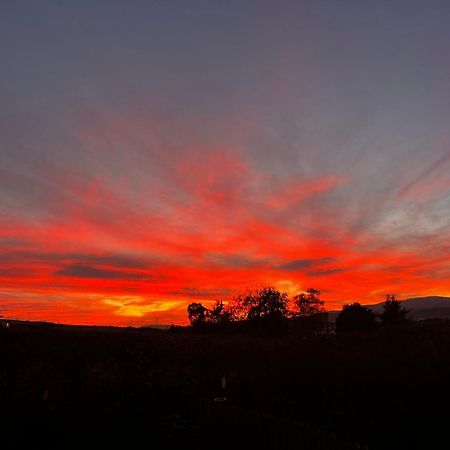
column 79, row 271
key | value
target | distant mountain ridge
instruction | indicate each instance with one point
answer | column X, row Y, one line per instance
column 432, row 307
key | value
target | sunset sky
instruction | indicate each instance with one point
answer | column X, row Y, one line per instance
column 155, row 153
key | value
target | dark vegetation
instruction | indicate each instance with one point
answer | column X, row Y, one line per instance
column 290, row 381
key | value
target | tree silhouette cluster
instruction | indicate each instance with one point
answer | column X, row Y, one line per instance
column 268, row 305
column 355, row 317
column 265, row 304
column 393, row 312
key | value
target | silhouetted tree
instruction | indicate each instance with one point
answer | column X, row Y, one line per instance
column 219, row 313
column 237, row 309
column 355, row 317
column 308, row 304
column 309, row 314
column 393, row 311
column 197, row 314
column 266, row 303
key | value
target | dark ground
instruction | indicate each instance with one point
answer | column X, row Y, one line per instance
column 73, row 386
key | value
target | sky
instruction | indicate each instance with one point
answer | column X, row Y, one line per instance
column 157, row 153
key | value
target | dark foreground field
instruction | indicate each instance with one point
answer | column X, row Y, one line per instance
column 68, row 386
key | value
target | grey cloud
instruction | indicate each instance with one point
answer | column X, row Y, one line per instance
column 84, row 271
column 438, row 164
column 15, row 272
column 299, row 264
column 13, row 243
column 114, row 260
column 235, row 261
column 325, row 272
column 118, row 260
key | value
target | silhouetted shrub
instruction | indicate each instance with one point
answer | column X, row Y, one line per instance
column 219, row 313
column 355, row 317
column 197, row 314
column 393, row 312
column 314, row 324
column 267, row 303
column 308, row 304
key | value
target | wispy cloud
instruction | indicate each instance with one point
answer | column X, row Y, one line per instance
column 78, row 271
column 299, row 264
